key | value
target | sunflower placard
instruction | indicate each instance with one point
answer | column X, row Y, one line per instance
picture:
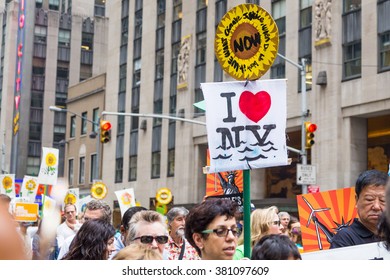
column 72, row 197
column 246, row 42
column 126, row 199
column 48, row 172
column 29, row 188
column 49, row 204
column 7, row 184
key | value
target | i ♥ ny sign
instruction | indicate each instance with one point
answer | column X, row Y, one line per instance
column 246, row 124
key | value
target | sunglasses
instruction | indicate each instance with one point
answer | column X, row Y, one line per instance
column 148, row 239
column 223, row 232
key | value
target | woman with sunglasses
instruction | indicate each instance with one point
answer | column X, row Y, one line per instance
column 212, row 230
column 93, row 241
column 148, row 227
column 263, row 222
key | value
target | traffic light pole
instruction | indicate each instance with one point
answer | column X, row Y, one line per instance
column 302, row 68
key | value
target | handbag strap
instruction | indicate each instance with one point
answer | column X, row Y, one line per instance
column 182, row 250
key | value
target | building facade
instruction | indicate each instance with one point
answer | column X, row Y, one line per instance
column 157, row 54
column 46, row 47
column 346, row 47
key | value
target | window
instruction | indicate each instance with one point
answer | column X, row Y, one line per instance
column 384, row 51
column 95, row 119
column 87, row 41
column 84, row 123
column 72, row 132
column 383, row 35
column 305, row 13
column 64, row 38
column 159, row 64
column 352, row 34
column 257, row 2
column 93, row 168
column 137, row 73
column 82, row 170
column 70, row 172
column 133, row 168
column 156, row 157
column 352, row 60
column 33, row 166
column 177, row 10
column 54, row 5
column 118, row 170
column 305, row 39
column 171, row 162
column 278, row 69
column 160, row 13
column 40, row 33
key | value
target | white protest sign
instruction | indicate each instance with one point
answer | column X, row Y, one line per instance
column 246, row 124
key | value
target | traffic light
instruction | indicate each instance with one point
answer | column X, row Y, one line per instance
column 105, row 131
column 310, row 128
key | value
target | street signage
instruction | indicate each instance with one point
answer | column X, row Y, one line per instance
column 306, row 174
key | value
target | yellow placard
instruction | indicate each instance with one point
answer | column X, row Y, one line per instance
column 164, row 196
column 246, row 42
column 26, row 212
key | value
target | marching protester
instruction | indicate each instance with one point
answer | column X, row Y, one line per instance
column 284, row 218
column 95, row 209
column 211, row 228
column 120, row 238
column 94, row 241
column 178, row 247
column 384, row 225
column 149, row 228
column 70, row 226
column 138, row 251
column 263, row 222
column 295, row 233
column 275, row 247
column 370, row 203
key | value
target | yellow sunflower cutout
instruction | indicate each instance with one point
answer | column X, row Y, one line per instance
column 246, row 42
column 51, row 162
column 126, row 198
column 31, row 185
column 7, row 184
column 99, row 190
column 70, row 198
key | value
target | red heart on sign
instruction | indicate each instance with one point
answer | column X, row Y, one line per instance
column 255, row 106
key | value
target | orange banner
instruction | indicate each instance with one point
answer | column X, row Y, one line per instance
column 26, row 212
column 322, row 214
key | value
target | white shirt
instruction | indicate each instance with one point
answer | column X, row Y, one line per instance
column 64, row 231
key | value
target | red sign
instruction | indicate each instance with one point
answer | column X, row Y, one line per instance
column 313, row 189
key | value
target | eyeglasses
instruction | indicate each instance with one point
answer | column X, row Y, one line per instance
column 223, row 232
column 148, row 239
column 275, row 223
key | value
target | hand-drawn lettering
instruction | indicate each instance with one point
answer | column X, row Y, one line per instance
column 229, row 96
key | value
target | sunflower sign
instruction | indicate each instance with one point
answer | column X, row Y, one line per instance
column 246, row 124
column 126, row 199
column 48, row 172
column 246, row 42
column 29, row 187
column 7, row 184
column 72, row 197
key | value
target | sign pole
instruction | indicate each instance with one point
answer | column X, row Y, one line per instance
column 247, row 214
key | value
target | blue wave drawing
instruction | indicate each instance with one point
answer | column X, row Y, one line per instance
column 252, row 159
column 247, row 149
column 223, row 157
column 262, row 145
column 272, row 148
column 227, row 148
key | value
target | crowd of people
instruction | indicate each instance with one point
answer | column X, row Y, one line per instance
column 208, row 231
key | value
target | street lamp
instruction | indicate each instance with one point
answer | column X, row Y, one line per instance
column 96, row 134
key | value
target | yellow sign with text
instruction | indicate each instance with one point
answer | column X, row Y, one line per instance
column 26, row 212
column 246, row 42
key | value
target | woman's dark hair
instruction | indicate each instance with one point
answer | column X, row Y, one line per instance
column 90, row 242
column 384, row 230
column 275, row 247
column 370, row 177
column 204, row 213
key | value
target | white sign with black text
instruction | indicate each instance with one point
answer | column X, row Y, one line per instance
column 306, row 174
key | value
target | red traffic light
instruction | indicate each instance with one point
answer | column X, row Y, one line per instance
column 311, row 127
column 105, row 125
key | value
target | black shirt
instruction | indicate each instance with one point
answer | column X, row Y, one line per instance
column 355, row 234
